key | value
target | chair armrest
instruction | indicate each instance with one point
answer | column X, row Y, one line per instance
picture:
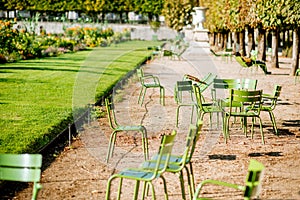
column 268, row 96
column 216, row 182
column 154, row 79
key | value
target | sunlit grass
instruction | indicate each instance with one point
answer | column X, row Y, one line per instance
column 38, row 98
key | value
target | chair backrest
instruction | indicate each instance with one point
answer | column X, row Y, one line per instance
column 252, row 99
column 180, row 88
column 195, row 139
column 224, row 84
column 190, row 139
column 140, row 72
column 204, row 83
column 253, row 179
column 275, row 95
column 22, row 168
column 164, row 153
column 240, row 60
column 110, row 113
column 277, row 91
column 227, row 83
column 209, row 79
column 249, row 84
column 198, row 96
column 208, row 76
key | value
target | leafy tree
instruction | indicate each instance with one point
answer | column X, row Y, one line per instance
column 291, row 12
column 270, row 12
column 122, row 6
column 177, row 13
column 92, row 8
column 150, row 8
column 237, row 20
column 16, row 4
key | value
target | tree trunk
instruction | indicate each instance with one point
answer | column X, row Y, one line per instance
column 284, row 38
column 212, row 39
column 251, row 42
column 288, row 38
column 222, row 42
column 242, row 43
column 261, row 44
column 230, row 40
column 274, row 60
column 236, row 47
column 225, row 40
column 295, row 58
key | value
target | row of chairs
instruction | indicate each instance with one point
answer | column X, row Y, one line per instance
column 203, row 84
column 165, row 161
column 241, row 92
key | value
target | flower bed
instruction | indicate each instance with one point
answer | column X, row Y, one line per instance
column 22, row 43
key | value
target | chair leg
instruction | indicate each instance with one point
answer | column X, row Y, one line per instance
column 145, row 190
column 149, row 184
column 245, row 125
column 252, row 128
column 111, row 144
column 165, row 189
column 273, row 122
column 136, row 190
column 192, row 179
column 120, row 188
column 177, row 115
column 162, row 95
column 145, row 144
column 227, row 128
column 182, row 184
column 261, row 131
column 140, row 95
column 107, row 195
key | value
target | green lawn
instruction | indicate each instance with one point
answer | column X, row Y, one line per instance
column 38, row 98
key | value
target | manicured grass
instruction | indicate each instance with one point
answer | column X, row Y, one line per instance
column 39, row 98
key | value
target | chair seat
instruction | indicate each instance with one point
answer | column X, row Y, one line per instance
column 149, row 85
column 130, row 128
column 212, row 108
column 137, row 174
column 266, row 108
column 245, row 114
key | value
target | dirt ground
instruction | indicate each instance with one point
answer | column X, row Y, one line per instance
column 80, row 172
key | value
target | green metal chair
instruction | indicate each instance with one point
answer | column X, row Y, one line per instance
column 22, row 168
column 208, row 79
column 242, row 63
column 225, row 84
column 183, row 94
column 147, row 175
column 178, row 163
column 119, row 128
column 250, row 102
column 269, row 104
column 248, row 84
column 149, row 81
column 252, row 186
column 297, row 74
column 204, row 83
column 206, row 107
